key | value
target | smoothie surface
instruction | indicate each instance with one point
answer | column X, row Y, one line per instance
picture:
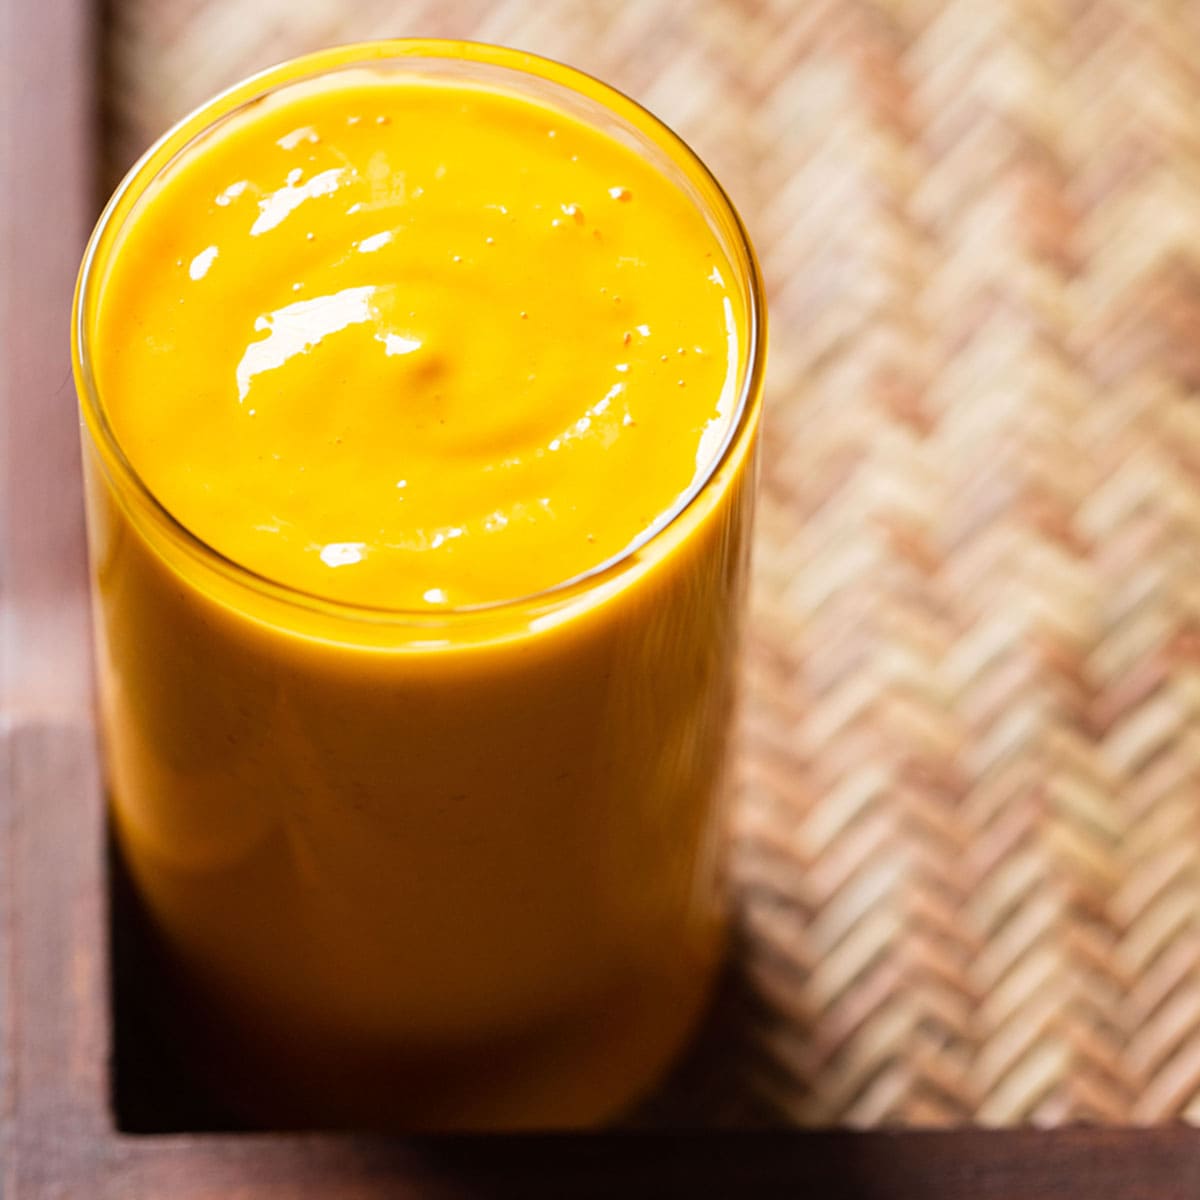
column 416, row 344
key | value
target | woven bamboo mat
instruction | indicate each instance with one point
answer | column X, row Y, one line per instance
column 968, row 842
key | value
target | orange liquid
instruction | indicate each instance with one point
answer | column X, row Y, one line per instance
column 425, row 345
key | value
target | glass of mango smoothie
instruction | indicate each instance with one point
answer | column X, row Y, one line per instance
column 420, row 386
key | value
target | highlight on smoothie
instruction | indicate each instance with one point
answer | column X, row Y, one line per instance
column 420, row 387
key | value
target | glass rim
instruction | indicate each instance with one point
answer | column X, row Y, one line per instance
column 244, row 94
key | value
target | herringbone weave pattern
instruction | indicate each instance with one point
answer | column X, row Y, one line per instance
column 968, row 839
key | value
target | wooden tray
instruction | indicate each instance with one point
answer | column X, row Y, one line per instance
column 58, row 1133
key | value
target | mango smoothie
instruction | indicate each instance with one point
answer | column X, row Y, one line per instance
column 420, row 385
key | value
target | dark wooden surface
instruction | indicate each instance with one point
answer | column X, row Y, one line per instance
column 56, row 1130
column 1082, row 1164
